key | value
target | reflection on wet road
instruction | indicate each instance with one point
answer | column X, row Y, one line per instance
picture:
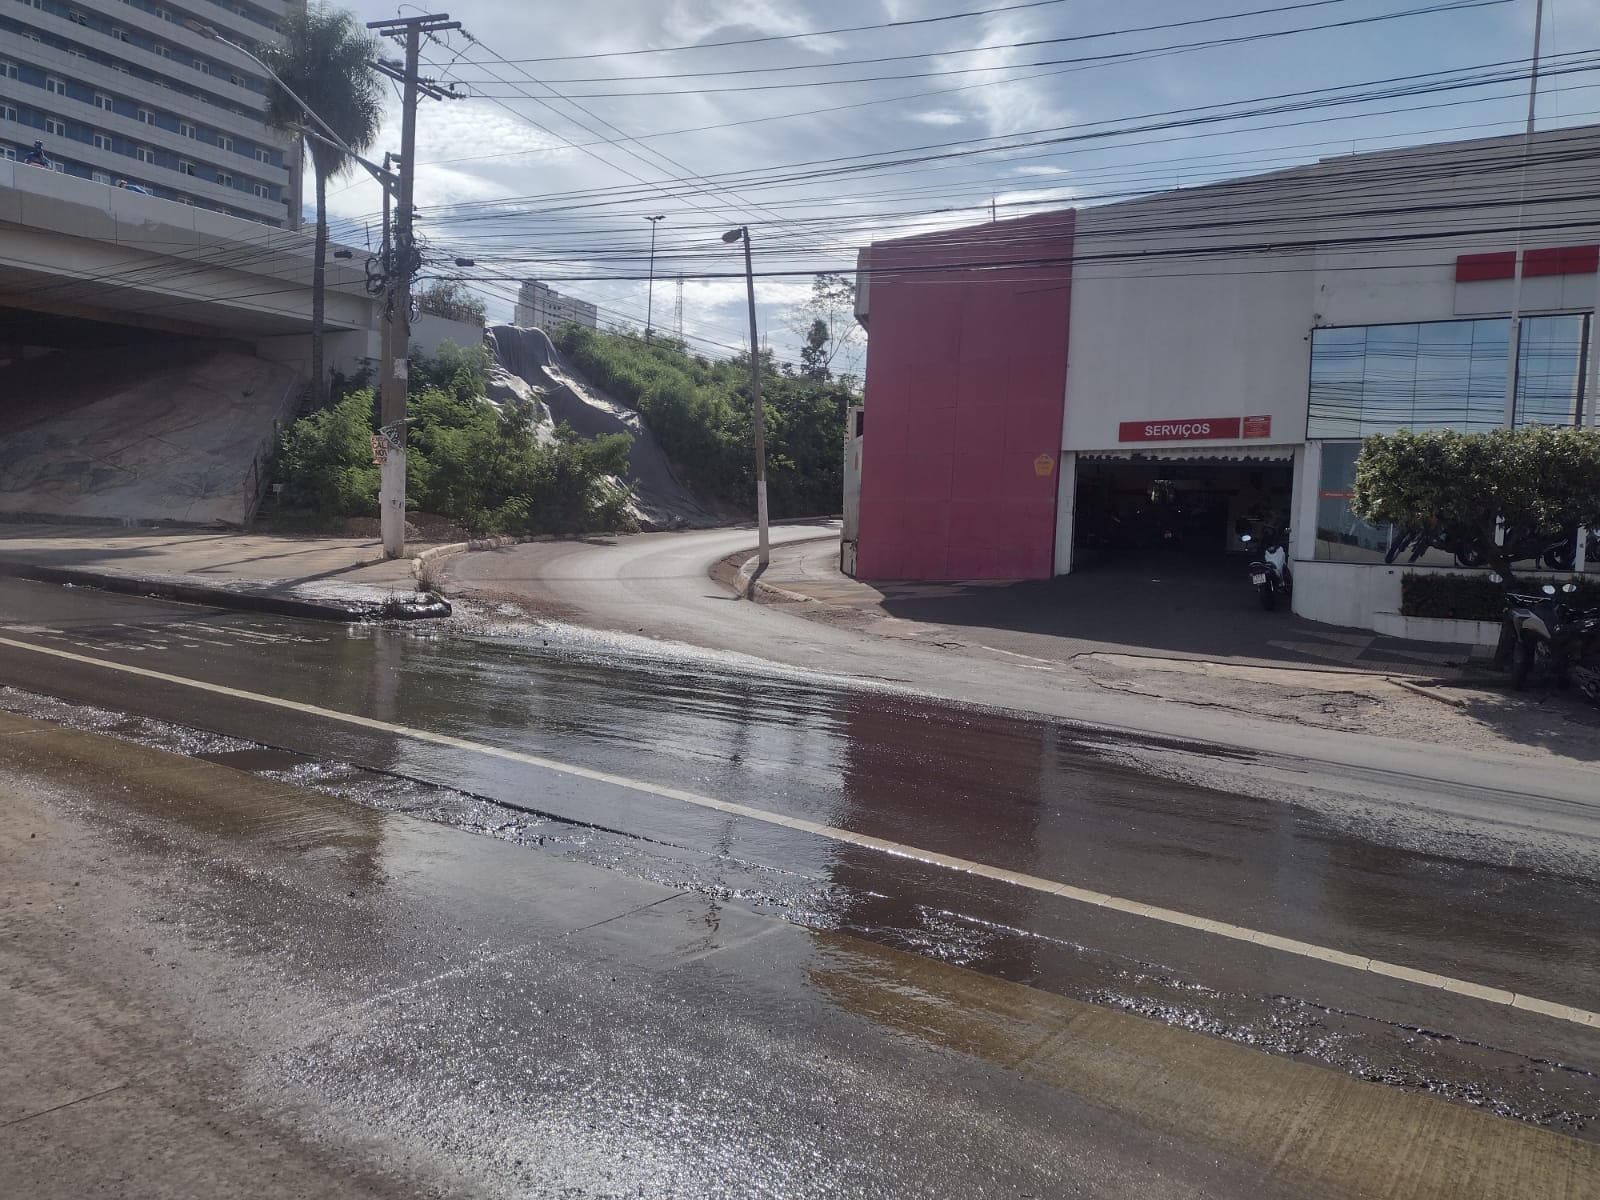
column 1032, row 796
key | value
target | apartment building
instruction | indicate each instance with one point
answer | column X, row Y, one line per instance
column 539, row 306
column 124, row 89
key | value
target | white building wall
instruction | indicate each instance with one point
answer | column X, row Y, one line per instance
column 1171, row 340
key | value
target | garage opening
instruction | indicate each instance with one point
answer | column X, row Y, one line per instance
column 1197, row 508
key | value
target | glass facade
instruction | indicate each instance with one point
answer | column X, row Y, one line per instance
column 1428, row 375
column 1368, row 379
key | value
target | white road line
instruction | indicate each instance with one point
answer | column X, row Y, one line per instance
column 1051, row 887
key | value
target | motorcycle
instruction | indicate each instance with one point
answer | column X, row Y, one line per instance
column 1270, row 573
column 1543, row 634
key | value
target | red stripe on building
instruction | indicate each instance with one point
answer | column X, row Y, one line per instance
column 1473, row 268
column 1502, row 264
column 1563, row 260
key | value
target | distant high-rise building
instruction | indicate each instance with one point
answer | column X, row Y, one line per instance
column 539, row 306
column 122, row 89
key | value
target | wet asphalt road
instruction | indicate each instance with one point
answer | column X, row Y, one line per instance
column 1509, row 901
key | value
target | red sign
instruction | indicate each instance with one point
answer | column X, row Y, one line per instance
column 1258, row 427
column 1197, row 429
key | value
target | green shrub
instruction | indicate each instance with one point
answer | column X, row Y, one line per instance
column 1477, row 597
column 325, row 461
column 466, row 459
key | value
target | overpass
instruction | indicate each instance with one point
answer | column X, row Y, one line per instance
column 148, row 348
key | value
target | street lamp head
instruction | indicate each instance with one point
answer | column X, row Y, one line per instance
column 466, row 262
column 657, row 217
column 200, row 27
column 733, row 235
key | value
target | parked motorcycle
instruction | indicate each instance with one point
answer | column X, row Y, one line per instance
column 1544, row 634
column 1270, row 573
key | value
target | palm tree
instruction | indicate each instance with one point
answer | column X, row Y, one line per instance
column 326, row 60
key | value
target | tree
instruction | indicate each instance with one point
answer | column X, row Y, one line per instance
column 326, row 60
column 1458, row 489
column 814, row 356
column 826, row 325
column 450, row 299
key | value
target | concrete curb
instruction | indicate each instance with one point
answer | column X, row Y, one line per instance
column 750, row 586
column 450, row 549
column 346, row 611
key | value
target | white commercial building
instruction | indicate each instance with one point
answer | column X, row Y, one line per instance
column 1187, row 367
column 123, row 89
column 539, row 306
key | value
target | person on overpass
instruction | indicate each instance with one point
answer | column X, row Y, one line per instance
column 36, row 156
column 134, row 187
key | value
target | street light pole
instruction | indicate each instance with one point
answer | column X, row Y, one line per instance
column 650, row 292
column 757, row 431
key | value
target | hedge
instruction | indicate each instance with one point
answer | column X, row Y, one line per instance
column 1478, row 598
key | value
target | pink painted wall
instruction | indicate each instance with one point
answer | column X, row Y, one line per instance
column 965, row 390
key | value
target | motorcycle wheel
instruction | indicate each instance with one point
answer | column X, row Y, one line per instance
column 1269, row 597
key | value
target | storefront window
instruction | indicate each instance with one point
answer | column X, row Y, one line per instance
column 1341, row 535
column 1370, row 379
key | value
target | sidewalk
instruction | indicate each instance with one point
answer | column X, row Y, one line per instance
column 321, row 578
column 1176, row 609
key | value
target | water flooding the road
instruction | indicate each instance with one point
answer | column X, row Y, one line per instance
column 1034, row 796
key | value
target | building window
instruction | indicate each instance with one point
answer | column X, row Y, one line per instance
column 1444, row 375
column 224, row 143
column 236, row 80
column 121, row 35
column 102, row 141
column 77, row 18
column 164, row 51
column 102, row 101
column 7, row 113
column 144, row 154
column 224, row 179
column 263, row 191
column 55, row 127
column 7, row 152
column 146, row 117
column 7, row 70
column 203, row 67
column 186, row 166
column 56, row 87
column 100, row 177
column 185, row 129
column 264, row 156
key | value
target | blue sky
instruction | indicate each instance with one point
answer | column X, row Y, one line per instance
column 539, row 173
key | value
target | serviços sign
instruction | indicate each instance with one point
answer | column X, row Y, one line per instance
column 1195, row 429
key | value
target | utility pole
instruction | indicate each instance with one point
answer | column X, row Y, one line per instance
column 758, row 434
column 1514, row 334
column 650, row 292
column 677, row 312
column 403, row 264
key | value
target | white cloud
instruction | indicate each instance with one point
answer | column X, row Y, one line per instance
column 938, row 117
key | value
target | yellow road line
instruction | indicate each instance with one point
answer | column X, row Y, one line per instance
column 1166, row 916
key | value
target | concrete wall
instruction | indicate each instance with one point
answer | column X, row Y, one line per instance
column 965, row 373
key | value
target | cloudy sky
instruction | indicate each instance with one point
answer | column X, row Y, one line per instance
column 822, row 124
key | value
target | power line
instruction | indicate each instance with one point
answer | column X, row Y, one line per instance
column 790, row 37
column 1083, row 61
